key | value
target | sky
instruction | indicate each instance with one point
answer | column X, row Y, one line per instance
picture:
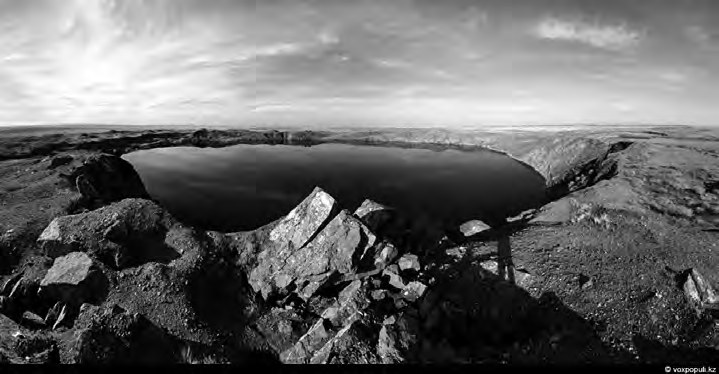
column 410, row 63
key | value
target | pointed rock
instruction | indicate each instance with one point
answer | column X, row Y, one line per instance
column 10, row 283
column 387, row 346
column 52, row 241
column 52, row 314
column 351, row 345
column 304, row 349
column 351, row 299
column 312, row 347
column 61, row 318
column 700, row 291
column 337, row 248
column 301, row 224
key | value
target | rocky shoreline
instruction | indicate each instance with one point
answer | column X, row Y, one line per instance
column 618, row 267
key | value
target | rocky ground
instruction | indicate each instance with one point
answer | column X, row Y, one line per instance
column 620, row 266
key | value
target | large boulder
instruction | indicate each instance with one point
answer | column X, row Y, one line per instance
column 304, row 254
column 123, row 234
column 73, row 279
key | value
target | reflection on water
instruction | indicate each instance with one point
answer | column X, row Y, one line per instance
column 246, row 186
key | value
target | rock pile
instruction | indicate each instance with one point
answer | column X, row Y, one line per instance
column 359, row 273
column 330, row 285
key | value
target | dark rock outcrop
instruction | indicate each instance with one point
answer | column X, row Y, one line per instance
column 106, row 178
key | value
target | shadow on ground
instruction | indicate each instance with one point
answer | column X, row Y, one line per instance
column 478, row 316
column 486, row 316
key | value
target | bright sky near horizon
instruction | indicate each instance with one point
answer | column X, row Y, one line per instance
column 359, row 62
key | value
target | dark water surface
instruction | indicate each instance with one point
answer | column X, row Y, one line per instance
column 246, row 186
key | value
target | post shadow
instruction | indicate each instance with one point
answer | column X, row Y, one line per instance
column 505, row 266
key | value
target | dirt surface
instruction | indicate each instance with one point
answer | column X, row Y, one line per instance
column 599, row 274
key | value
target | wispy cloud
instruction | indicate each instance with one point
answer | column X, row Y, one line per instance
column 612, row 37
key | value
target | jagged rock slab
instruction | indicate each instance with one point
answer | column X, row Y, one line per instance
column 700, row 291
column 387, row 347
column 351, row 299
column 10, row 283
column 303, row 351
column 353, row 344
column 301, row 224
column 336, row 318
column 337, row 249
column 290, row 234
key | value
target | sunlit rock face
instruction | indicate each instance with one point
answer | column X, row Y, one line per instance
column 290, row 257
